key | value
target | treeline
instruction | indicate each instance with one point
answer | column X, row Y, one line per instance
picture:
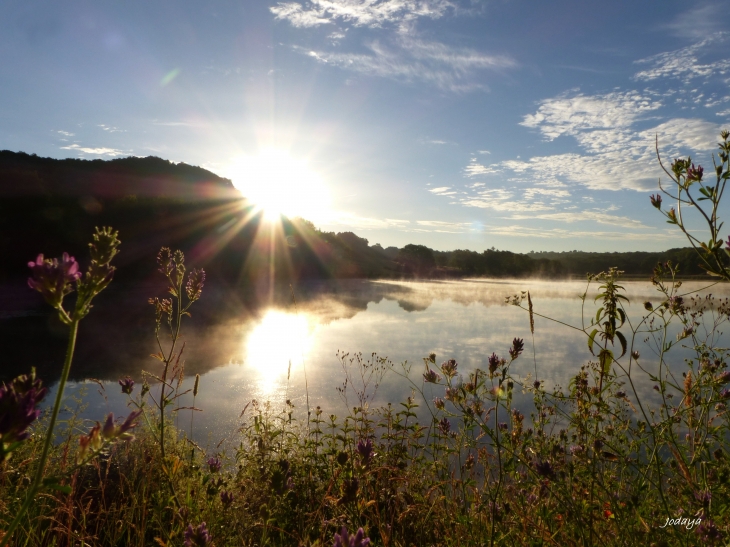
column 52, row 206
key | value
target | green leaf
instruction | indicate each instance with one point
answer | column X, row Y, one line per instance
column 606, row 358
column 54, row 485
column 621, row 339
column 591, row 340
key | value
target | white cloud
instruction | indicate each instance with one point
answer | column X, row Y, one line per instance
column 584, row 216
column 410, row 59
column 112, row 152
column 684, row 64
column 475, row 169
column 369, row 13
column 65, row 133
column 351, row 220
column 569, row 115
column 440, row 189
column 560, row 233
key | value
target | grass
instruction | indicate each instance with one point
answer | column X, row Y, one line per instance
column 592, row 465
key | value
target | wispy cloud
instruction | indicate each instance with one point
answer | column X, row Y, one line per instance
column 561, row 233
column 369, row 13
column 684, row 64
column 111, row 152
column 353, row 221
column 409, row 59
column 594, row 216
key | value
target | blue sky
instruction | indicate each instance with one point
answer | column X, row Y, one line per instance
column 455, row 124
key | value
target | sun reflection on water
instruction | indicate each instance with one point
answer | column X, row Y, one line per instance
column 278, row 340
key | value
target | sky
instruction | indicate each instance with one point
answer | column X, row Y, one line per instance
column 469, row 124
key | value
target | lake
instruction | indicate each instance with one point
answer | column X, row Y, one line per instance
column 275, row 352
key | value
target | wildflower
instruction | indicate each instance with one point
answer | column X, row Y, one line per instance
column 648, row 306
column 536, row 384
column 438, row 402
column 576, row 449
column 725, row 393
column 197, row 537
column 449, row 367
column 53, row 279
column 656, row 200
column 723, row 378
column 214, row 464
column 517, row 347
column 226, row 498
column 503, row 426
column 494, row 363
column 694, row 173
column 451, row 394
column 127, row 385
column 18, row 409
column 365, row 449
column 431, row 377
column 620, row 394
column 194, row 287
column 672, row 214
column 545, row 469
column 164, row 261
column 445, row 426
column 708, row 532
column 110, row 431
column 635, row 355
column 656, row 387
column 344, row 540
column 720, row 407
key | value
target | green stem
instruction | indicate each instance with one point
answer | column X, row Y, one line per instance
column 35, row 486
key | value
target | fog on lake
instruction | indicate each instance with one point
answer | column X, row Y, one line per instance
column 246, row 352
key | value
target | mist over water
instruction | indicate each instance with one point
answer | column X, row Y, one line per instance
column 246, row 352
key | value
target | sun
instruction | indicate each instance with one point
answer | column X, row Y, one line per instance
column 281, row 185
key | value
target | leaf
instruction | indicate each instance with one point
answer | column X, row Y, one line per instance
column 622, row 339
column 606, row 358
column 598, row 314
column 610, row 456
column 160, row 542
column 591, row 340
column 158, row 356
column 63, row 488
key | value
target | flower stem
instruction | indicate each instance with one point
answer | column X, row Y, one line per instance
column 37, row 480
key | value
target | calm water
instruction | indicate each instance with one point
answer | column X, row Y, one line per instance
column 244, row 352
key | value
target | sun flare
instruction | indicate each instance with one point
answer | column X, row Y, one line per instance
column 281, row 185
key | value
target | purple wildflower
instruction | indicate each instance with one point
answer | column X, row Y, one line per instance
column 215, row 464
column 438, row 402
column 656, row 200
column 18, row 409
column 127, row 385
column 110, row 430
column 227, row 498
column 725, row 393
column 576, row 449
column 431, row 377
column 503, row 426
column 197, row 537
column 445, row 426
column 695, row 173
column 344, row 540
column 449, row 367
column 494, row 362
column 708, row 532
column 545, row 469
column 365, row 449
column 52, row 278
column 518, row 346
column 723, row 378
column 196, row 281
